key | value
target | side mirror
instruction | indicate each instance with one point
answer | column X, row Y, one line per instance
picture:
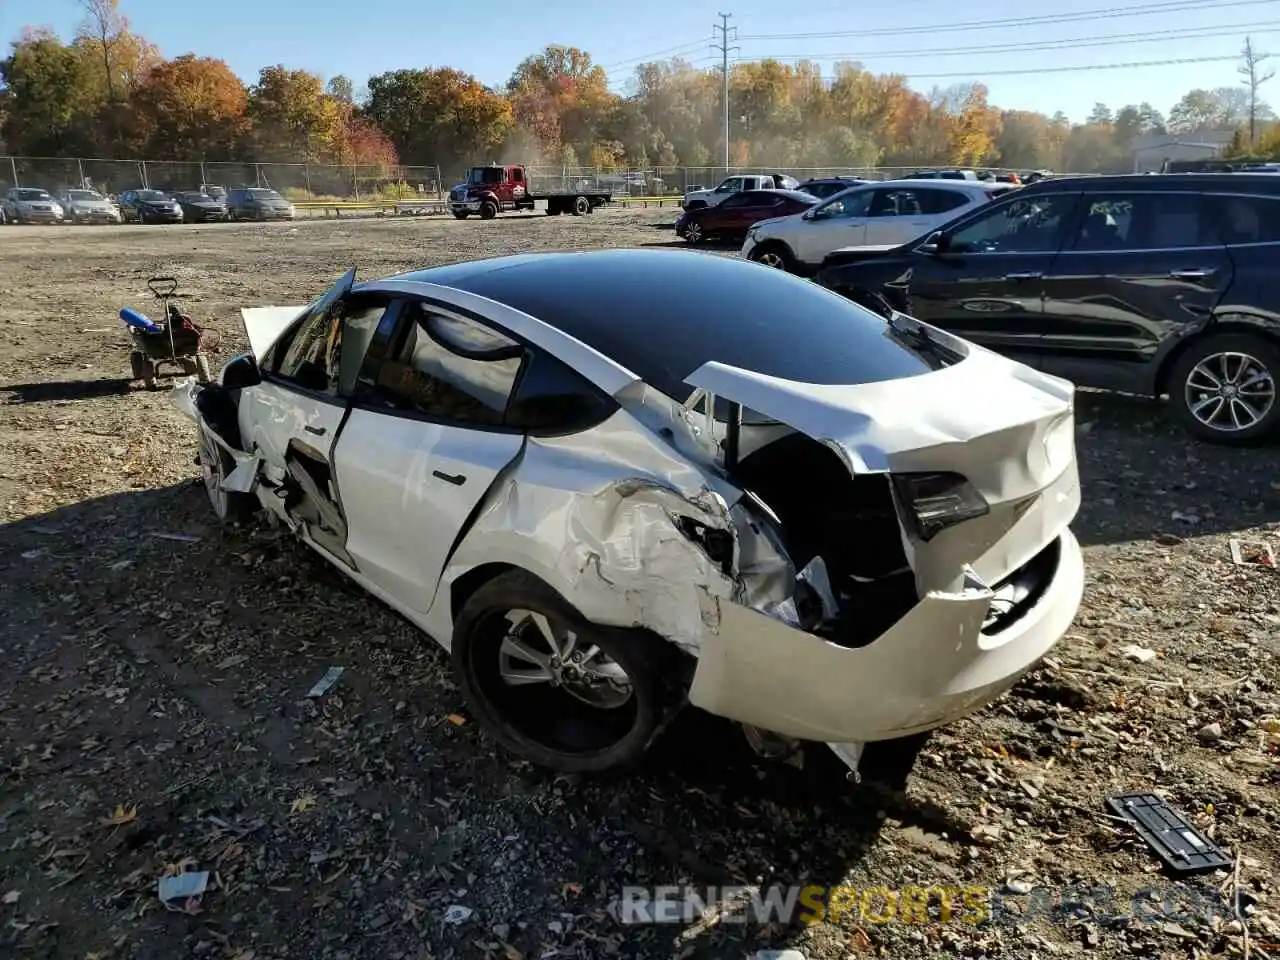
column 937, row 242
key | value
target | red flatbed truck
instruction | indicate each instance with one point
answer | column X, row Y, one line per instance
column 491, row 189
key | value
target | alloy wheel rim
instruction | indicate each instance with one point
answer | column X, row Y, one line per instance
column 1230, row 391
column 535, row 652
column 211, row 473
column 772, row 259
column 693, row 233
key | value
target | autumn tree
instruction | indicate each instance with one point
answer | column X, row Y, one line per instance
column 561, row 96
column 438, row 115
column 44, row 98
column 189, row 108
column 292, row 118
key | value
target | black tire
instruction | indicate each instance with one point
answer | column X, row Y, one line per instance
column 774, row 254
column 460, row 215
column 488, row 210
column 544, row 722
column 215, row 464
column 1250, row 359
column 138, row 365
column 581, row 206
column 149, row 376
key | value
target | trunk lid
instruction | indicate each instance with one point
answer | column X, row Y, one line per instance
column 1006, row 428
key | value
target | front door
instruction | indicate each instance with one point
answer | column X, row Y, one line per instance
column 425, row 441
column 839, row 222
column 987, row 283
column 1140, row 267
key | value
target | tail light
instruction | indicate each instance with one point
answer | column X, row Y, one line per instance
column 936, row 501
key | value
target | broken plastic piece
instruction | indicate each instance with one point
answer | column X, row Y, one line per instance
column 182, row 887
column 816, row 576
column 177, row 537
column 457, row 914
column 1252, row 553
column 325, row 683
column 851, row 754
column 1180, row 845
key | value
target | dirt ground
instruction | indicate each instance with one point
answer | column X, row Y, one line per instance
column 153, row 709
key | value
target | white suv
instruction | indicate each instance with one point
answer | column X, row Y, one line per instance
column 874, row 215
column 693, row 199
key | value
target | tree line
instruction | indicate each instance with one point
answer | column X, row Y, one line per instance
column 108, row 92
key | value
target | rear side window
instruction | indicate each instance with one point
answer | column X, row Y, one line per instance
column 448, row 368
column 552, row 399
column 1247, row 219
column 1143, row 221
column 940, row 201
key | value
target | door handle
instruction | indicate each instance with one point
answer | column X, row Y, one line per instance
column 318, row 431
column 457, row 479
column 1189, row 274
column 1029, row 275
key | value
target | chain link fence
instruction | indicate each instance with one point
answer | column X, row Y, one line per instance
column 301, row 182
column 296, row 181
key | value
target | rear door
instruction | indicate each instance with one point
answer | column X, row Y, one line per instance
column 425, row 441
column 899, row 214
column 1139, row 268
column 987, row 284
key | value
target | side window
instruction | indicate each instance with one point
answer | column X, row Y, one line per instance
column 517, row 176
column 552, row 399
column 941, row 201
column 448, row 368
column 1248, row 219
column 1142, row 221
column 854, row 205
column 1022, row 225
column 894, row 203
column 310, row 359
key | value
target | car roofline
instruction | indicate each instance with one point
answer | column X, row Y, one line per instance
column 605, row 372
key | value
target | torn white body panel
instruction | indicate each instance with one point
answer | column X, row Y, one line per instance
column 593, row 515
column 934, row 666
column 1012, row 439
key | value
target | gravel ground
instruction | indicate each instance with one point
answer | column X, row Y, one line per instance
column 154, row 714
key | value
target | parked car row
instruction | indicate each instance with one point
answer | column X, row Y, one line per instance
column 209, row 203
column 796, row 230
column 1149, row 285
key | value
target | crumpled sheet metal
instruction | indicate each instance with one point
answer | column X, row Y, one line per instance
column 593, row 516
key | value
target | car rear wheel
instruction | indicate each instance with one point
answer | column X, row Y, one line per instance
column 774, row 255
column 551, row 687
column 1224, row 388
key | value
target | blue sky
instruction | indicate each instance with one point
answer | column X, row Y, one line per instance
column 907, row 36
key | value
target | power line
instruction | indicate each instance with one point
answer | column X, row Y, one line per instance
column 724, row 48
column 979, row 75
column 1066, row 43
column 649, row 57
column 1170, row 6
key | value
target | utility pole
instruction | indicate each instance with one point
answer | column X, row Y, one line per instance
column 1254, row 77
column 723, row 46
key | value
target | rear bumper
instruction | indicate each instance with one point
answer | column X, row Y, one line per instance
column 934, row 666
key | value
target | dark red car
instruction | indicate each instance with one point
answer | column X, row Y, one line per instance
column 735, row 215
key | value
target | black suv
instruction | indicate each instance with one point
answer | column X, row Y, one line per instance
column 1153, row 285
column 823, row 187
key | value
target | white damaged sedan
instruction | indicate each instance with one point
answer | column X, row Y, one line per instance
column 616, row 482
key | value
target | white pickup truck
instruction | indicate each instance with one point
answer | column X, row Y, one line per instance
column 694, row 199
